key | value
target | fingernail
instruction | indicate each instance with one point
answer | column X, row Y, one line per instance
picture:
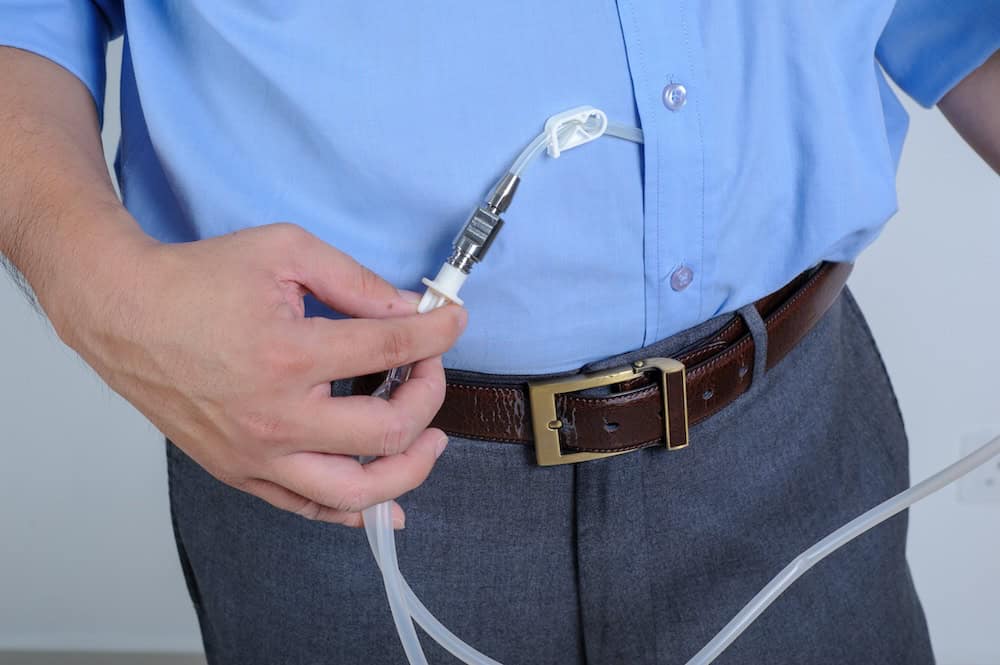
column 441, row 445
column 411, row 297
column 398, row 523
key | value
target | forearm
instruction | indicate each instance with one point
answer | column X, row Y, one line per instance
column 61, row 224
column 973, row 108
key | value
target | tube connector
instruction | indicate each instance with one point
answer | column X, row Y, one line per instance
column 470, row 246
column 502, row 195
column 475, row 238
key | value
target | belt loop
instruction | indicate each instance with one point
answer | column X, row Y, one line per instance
column 758, row 331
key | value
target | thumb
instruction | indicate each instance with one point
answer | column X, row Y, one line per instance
column 345, row 285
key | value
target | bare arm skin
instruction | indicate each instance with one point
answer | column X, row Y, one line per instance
column 209, row 339
column 973, row 108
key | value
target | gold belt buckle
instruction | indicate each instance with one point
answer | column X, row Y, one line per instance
column 546, row 424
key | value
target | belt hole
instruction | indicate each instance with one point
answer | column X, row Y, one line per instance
column 610, row 427
column 707, row 395
column 743, row 371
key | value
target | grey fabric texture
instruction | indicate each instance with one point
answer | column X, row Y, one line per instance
column 637, row 559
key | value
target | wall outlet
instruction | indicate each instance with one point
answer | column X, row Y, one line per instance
column 982, row 485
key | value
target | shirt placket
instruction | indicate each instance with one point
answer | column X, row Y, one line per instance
column 663, row 47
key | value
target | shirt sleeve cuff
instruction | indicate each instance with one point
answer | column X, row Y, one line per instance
column 70, row 34
column 929, row 46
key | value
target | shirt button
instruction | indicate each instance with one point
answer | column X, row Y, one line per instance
column 675, row 96
column 681, row 278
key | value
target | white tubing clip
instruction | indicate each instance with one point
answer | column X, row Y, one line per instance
column 574, row 127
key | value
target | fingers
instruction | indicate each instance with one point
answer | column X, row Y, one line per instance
column 355, row 347
column 341, row 282
column 336, row 487
column 363, row 425
column 424, row 390
column 343, row 485
column 285, row 499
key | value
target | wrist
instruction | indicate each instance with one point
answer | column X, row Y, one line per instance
column 95, row 263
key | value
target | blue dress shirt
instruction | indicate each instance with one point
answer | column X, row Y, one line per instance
column 772, row 140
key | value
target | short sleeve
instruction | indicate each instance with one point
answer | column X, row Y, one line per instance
column 71, row 33
column 928, row 46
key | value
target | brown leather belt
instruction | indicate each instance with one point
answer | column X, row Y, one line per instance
column 652, row 401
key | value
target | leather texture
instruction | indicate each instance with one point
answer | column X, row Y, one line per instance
column 718, row 371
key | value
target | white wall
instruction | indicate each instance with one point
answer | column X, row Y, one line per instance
column 929, row 288
column 86, row 554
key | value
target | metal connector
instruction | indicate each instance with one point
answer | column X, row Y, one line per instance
column 475, row 238
column 503, row 193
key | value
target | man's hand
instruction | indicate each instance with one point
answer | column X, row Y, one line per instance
column 208, row 339
column 210, row 342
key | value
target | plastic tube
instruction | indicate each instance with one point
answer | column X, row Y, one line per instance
column 625, row 132
column 434, row 628
column 394, row 587
column 403, row 603
column 835, row 541
column 533, row 150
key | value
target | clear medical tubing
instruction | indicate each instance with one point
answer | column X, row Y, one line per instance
column 422, row 615
column 633, row 134
column 394, row 586
column 835, row 541
column 403, row 603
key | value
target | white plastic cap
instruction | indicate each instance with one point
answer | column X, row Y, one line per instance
column 443, row 288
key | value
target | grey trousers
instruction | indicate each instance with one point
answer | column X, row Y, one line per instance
column 638, row 558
